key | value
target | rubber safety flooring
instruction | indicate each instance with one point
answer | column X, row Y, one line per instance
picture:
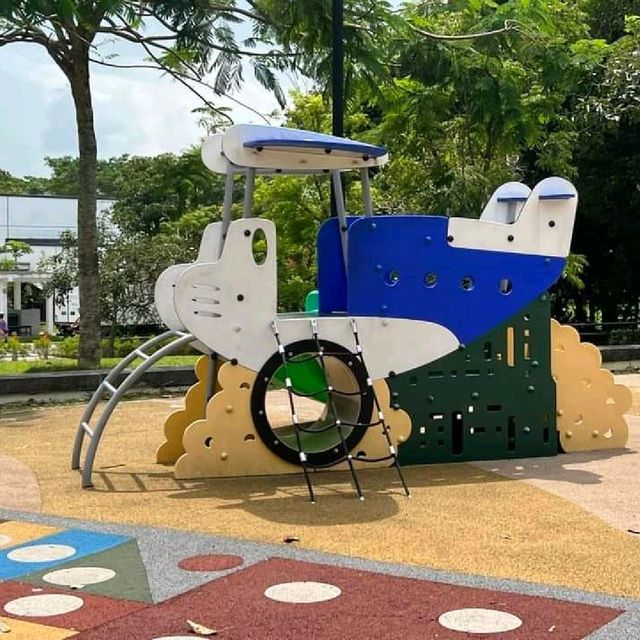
column 62, row 579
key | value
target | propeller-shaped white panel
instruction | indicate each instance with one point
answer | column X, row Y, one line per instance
column 166, row 282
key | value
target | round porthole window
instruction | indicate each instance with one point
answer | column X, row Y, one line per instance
column 467, row 283
column 430, row 280
column 506, row 286
column 392, row 278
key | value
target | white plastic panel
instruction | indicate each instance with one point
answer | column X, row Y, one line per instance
column 210, row 243
column 227, row 302
column 212, row 155
column 291, row 159
column 506, row 203
column 544, row 226
column 165, row 284
column 163, row 296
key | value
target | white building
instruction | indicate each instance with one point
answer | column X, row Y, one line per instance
column 37, row 221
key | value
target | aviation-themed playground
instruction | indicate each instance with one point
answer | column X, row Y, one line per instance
column 429, row 341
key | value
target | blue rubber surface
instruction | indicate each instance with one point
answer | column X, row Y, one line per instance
column 84, row 542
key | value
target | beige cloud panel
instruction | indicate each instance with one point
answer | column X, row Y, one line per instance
column 177, row 422
column 226, row 444
column 590, row 405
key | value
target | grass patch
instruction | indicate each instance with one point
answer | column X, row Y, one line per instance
column 10, row 368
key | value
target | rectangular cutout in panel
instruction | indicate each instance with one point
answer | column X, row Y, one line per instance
column 545, row 435
column 436, row 374
column 470, row 408
column 423, row 430
column 511, row 433
column 511, row 355
column 474, row 430
column 494, row 407
column 457, row 432
column 488, row 350
column 436, row 416
column 527, row 333
column 472, row 372
column 526, row 351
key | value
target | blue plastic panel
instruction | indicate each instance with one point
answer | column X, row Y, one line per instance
column 332, row 278
column 263, row 136
column 403, row 267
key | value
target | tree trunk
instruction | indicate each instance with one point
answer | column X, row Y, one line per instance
column 88, row 279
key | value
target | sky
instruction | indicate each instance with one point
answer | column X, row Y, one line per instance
column 139, row 112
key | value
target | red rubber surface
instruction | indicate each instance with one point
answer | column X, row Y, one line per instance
column 212, row 562
column 372, row 606
column 96, row 610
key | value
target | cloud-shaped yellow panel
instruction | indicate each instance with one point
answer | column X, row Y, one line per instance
column 226, row 444
column 590, row 405
column 177, row 422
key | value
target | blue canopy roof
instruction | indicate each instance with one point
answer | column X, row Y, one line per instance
column 259, row 137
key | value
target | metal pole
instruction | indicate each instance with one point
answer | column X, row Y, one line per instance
column 337, row 79
column 248, row 193
column 340, row 211
column 366, row 191
column 226, row 206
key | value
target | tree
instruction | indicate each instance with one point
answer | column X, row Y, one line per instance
column 17, row 249
column 184, row 37
column 63, row 270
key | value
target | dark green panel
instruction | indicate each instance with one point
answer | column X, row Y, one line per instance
column 472, row 405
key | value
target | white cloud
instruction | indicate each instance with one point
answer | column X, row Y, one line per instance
column 138, row 112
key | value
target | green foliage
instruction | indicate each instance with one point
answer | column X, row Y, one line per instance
column 42, row 345
column 63, row 267
column 17, row 249
column 68, row 348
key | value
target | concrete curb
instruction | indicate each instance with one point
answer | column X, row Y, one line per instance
column 88, row 381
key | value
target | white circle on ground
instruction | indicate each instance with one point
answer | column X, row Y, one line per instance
column 302, row 592
column 479, row 621
column 175, row 638
column 52, row 604
column 41, row 553
column 79, row 576
column 4, row 540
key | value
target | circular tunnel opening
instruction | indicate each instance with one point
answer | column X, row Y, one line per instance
column 316, row 408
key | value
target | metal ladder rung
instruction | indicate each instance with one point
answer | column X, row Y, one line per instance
column 87, row 429
column 141, row 354
column 108, row 386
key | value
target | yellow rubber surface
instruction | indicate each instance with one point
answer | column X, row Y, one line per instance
column 460, row 517
column 19, row 532
column 21, row 630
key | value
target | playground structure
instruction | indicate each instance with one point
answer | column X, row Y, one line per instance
column 432, row 341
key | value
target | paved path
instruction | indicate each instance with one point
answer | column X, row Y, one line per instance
column 63, row 578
